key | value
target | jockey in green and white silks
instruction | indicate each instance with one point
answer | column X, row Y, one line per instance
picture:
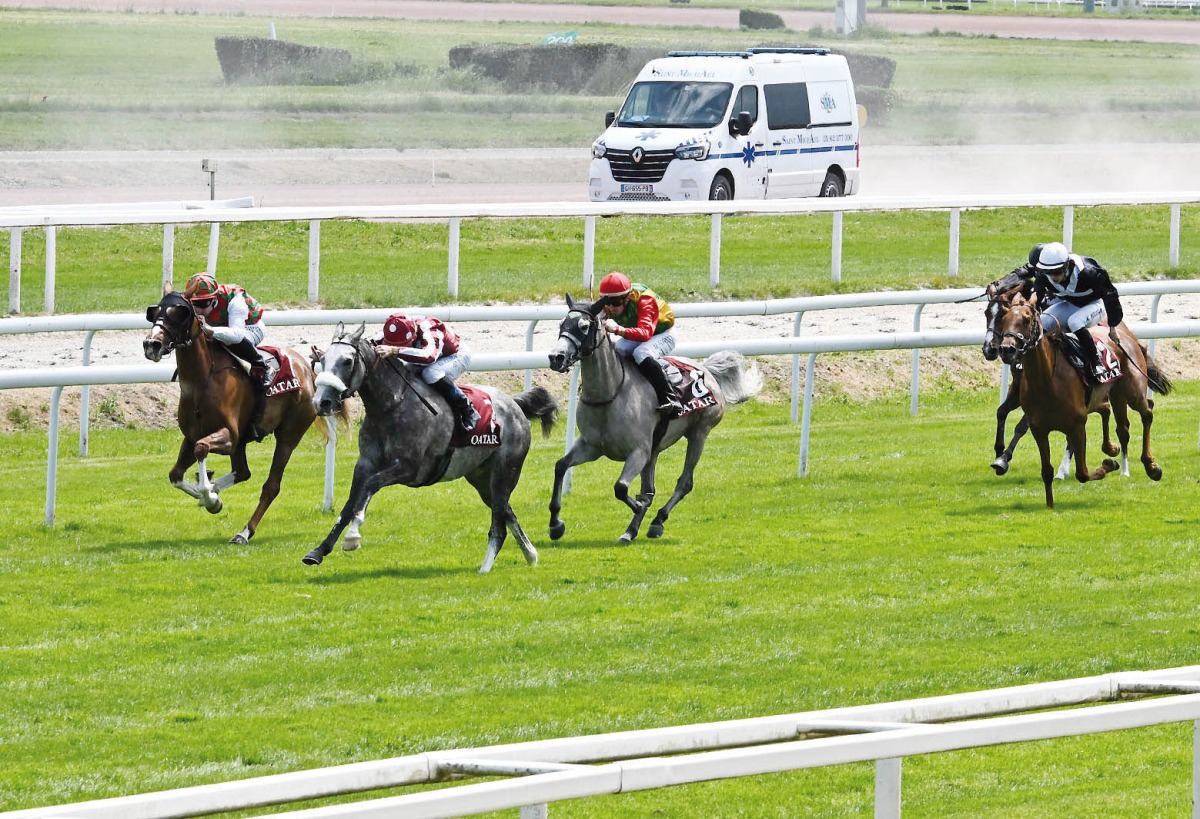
column 642, row 322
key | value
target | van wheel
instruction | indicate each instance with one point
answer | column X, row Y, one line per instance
column 832, row 186
column 721, row 189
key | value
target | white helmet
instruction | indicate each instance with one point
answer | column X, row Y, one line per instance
column 1053, row 258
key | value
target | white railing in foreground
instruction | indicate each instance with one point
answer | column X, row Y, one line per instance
column 559, row 769
column 454, row 214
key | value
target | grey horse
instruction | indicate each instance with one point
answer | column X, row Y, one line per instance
column 617, row 417
column 406, row 439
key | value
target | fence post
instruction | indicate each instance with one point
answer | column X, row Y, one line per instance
column 314, row 260
column 1173, row 253
column 837, row 246
column 955, row 234
column 714, row 253
column 14, row 270
column 168, row 259
column 51, row 266
column 589, row 252
column 807, row 424
column 452, row 273
column 915, row 391
column 214, row 243
column 1068, row 224
column 887, row 788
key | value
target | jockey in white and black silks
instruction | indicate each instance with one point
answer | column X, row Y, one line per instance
column 642, row 321
column 439, row 351
column 1076, row 293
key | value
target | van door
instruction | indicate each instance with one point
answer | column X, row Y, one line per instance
column 788, row 140
column 833, row 130
column 751, row 162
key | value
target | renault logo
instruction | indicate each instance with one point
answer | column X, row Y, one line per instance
column 637, row 155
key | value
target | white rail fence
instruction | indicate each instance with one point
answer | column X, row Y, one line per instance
column 17, row 219
column 547, row 771
column 86, row 376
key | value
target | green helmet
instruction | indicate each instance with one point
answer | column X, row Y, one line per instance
column 201, row 287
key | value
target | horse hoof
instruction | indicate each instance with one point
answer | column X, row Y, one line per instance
column 1000, row 466
column 1154, row 471
column 1112, row 450
column 1112, row 466
column 216, row 507
column 557, row 530
column 312, row 559
column 239, row 539
column 351, row 543
column 626, row 538
column 655, row 530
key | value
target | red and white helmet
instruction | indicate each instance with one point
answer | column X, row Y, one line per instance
column 201, row 287
column 615, row 284
column 399, row 331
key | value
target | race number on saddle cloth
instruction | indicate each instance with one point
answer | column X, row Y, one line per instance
column 687, row 381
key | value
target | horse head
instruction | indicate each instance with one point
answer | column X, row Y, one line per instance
column 579, row 334
column 340, row 370
column 174, row 326
column 1020, row 329
column 997, row 306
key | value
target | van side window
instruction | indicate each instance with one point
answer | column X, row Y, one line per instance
column 747, row 100
column 787, row 106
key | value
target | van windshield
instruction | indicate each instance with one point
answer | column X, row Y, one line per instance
column 675, row 105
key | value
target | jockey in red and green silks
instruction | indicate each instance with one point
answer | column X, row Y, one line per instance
column 233, row 317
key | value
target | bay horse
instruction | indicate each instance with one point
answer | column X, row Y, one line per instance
column 216, row 402
column 1055, row 398
column 999, row 294
column 406, row 439
column 618, row 420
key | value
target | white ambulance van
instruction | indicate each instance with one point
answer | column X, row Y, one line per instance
column 765, row 123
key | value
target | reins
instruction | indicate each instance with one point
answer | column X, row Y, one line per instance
column 584, row 351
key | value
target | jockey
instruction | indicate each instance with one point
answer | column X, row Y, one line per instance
column 1082, row 294
column 642, row 322
column 428, row 342
column 233, row 317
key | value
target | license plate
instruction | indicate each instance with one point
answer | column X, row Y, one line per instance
column 641, row 187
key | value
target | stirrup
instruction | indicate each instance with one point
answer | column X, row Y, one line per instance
column 469, row 419
column 670, row 406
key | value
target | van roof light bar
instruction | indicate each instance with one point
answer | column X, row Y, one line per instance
column 749, row 52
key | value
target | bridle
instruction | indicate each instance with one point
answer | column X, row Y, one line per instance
column 327, row 379
column 1024, row 345
column 585, row 345
column 172, row 334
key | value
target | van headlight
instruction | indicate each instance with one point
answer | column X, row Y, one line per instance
column 599, row 149
column 693, row 150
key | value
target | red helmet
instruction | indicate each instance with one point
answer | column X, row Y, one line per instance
column 201, row 287
column 615, row 284
column 399, row 331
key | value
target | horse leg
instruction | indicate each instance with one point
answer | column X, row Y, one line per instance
column 514, row 526
column 1042, row 437
column 491, row 492
column 1011, row 401
column 1109, row 448
column 633, row 467
column 646, row 496
column 1145, row 409
column 184, row 460
column 284, row 447
column 1064, row 468
column 353, row 537
column 365, row 484
column 695, row 448
column 581, row 452
column 1077, row 441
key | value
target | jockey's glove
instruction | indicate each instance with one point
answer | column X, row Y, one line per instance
column 612, row 326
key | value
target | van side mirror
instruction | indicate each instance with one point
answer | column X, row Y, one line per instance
column 609, row 116
column 740, row 124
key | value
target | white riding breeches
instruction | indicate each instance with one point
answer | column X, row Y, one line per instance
column 452, row 365
column 656, row 347
column 1062, row 315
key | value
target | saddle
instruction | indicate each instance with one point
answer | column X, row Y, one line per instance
column 1083, row 366
column 687, row 380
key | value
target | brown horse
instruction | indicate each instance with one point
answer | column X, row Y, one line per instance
column 1055, row 398
column 1000, row 294
column 216, row 402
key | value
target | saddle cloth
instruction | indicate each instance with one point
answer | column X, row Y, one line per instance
column 1112, row 367
column 690, row 388
column 285, row 380
column 487, row 432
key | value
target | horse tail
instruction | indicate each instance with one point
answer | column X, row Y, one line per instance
column 1159, row 381
column 740, row 380
column 540, row 404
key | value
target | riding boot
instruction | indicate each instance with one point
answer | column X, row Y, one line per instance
column 261, row 376
column 464, row 410
column 1088, row 345
column 667, row 402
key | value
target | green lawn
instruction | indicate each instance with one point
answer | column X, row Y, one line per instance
column 142, row 652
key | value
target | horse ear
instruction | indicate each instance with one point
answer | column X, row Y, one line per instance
column 362, row 328
column 570, row 301
column 339, row 331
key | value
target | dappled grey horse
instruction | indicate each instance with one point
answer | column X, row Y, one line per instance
column 406, row 439
column 617, row 417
